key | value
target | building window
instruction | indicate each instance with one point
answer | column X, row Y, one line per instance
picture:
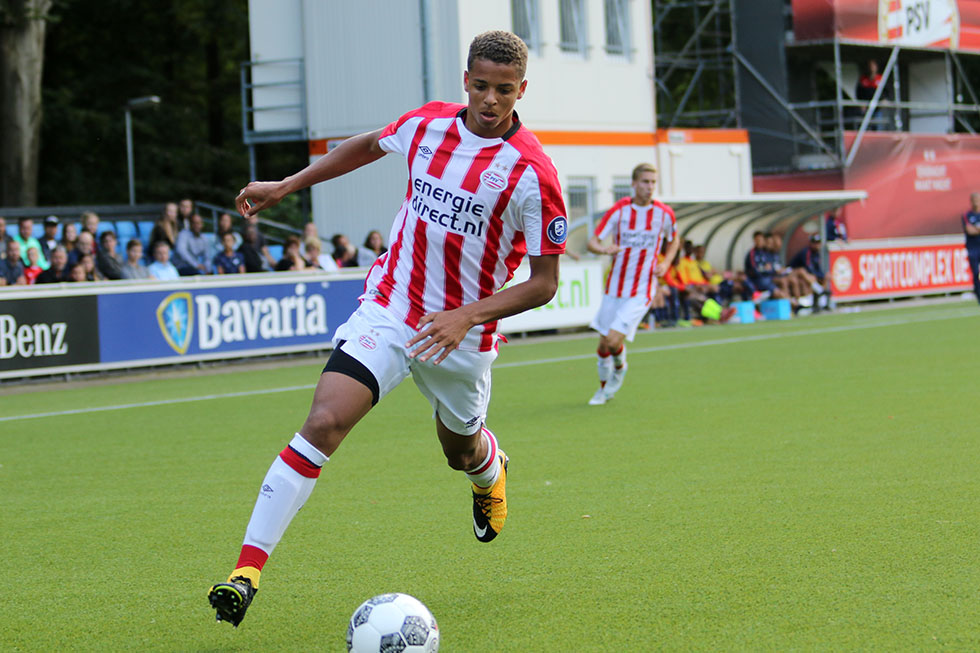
column 617, row 27
column 580, row 202
column 525, row 13
column 622, row 187
column 572, row 25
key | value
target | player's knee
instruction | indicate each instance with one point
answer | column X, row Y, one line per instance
column 323, row 426
column 461, row 461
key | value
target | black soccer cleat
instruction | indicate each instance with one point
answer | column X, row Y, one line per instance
column 232, row 599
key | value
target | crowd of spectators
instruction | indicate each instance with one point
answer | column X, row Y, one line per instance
column 179, row 244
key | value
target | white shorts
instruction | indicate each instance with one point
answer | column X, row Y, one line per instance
column 458, row 388
column 621, row 314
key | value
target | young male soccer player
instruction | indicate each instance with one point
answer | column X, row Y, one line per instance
column 638, row 226
column 482, row 194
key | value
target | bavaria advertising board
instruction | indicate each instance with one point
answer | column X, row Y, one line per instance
column 187, row 322
column 47, row 332
column 946, row 24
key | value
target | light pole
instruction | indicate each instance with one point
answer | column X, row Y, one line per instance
column 135, row 103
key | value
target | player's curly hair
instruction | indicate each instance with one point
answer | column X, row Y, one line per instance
column 499, row 46
column 643, row 167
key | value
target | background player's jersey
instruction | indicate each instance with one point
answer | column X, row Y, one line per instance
column 640, row 232
column 971, row 218
column 475, row 206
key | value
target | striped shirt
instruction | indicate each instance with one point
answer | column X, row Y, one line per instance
column 639, row 231
column 474, row 208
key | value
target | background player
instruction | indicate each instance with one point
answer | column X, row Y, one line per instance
column 971, row 227
column 638, row 227
column 482, row 194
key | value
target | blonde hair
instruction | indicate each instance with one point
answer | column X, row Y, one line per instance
column 501, row 47
column 643, row 167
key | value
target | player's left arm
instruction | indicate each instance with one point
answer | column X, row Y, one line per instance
column 440, row 333
column 970, row 228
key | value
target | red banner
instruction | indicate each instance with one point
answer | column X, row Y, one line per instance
column 861, row 270
column 919, row 23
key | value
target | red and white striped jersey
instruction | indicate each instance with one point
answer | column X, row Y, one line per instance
column 639, row 231
column 474, row 207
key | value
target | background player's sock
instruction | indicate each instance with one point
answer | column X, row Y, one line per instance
column 619, row 357
column 286, row 487
column 485, row 474
column 605, row 367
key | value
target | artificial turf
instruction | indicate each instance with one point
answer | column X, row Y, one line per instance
column 801, row 485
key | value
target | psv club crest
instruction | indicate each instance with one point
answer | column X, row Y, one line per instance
column 175, row 315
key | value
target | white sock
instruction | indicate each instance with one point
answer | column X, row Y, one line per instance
column 619, row 360
column 605, row 368
column 485, row 474
column 817, row 288
column 286, row 487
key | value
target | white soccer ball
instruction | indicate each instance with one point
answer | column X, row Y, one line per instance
column 392, row 623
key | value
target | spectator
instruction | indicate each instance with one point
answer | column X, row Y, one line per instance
column 58, row 271
column 807, row 266
column 228, row 261
column 133, row 268
column 836, row 229
column 759, row 270
column 291, row 260
column 90, row 223
column 250, row 250
column 11, row 268
column 375, row 242
column 69, row 237
column 782, row 277
column 32, row 270
column 161, row 268
column 3, row 237
column 723, row 280
column 185, row 211
column 691, row 275
column 867, row 84
column 107, row 259
column 77, row 273
column 226, row 225
column 87, row 262
column 165, row 228
column 344, row 254
column 260, row 245
column 310, row 231
column 84, row 245
column 315, row 258
column 50, row 238
column 194, row 247
column 26, row 240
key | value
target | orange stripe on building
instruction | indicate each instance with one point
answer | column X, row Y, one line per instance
column 705, row 136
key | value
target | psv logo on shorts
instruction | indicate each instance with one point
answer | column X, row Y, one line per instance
column 493, row 180
column 368, row 343
column 558, row 230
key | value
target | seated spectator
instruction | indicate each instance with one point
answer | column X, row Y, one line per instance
column 835, row 227
column 194, row 247
column 760, row 270
column 291, row 260
column 90, row 223
column 26, row 239
column 185, row 210
column 315, row 258
column 3, row 237
column 69, row 237
column 161, row 268
column 77, row 273
column 226, row 224
column 691, row 275
column 165, row 228
column 107, row 259
column 228, row 261
column 374, row 246
column 11, row 268
column 310, row 231
column 344, row 253
column 133, row 268
column 723, row 280
column 807, row 266
column 260, row 244
column 84, row 245
column 250, row 249
column 87, row 263
column 32, row 270
column 50, row 238
column 782, row 275
column 58, row 271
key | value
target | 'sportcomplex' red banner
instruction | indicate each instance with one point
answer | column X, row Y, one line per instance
column 920, row 23
column 903, row 267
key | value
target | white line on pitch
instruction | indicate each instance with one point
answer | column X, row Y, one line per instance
column 539, row 361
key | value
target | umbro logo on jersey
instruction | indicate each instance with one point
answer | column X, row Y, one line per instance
column 425, row 152
column 558, row 230
column 493, row 180
column 368, row 343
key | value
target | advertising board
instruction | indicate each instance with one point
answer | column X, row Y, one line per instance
column 45, row 332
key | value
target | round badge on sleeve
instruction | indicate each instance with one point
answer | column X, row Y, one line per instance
column 558, row 230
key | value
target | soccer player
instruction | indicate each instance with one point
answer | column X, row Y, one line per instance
column 638, row 226
column 482, row 194
column 971, row 227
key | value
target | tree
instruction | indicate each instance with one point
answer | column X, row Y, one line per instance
column 23, row 24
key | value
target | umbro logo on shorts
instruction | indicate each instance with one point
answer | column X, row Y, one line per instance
column 368, row 343
column 472, row 422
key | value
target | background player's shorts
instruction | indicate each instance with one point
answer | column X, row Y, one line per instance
column 764, row 283
column 621, row 314
column 458, row 388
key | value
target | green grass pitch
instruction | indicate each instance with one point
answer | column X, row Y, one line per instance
column 796, row 486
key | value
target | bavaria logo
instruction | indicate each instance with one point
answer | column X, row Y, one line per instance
column 425, row 152
column 493, row 180
column 175, row 314
column 367, row 342
column 558, row 230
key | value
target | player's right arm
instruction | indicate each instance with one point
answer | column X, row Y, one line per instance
column 603, row 230
column 350, row 155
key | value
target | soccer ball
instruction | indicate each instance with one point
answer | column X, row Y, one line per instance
column 392, row 623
